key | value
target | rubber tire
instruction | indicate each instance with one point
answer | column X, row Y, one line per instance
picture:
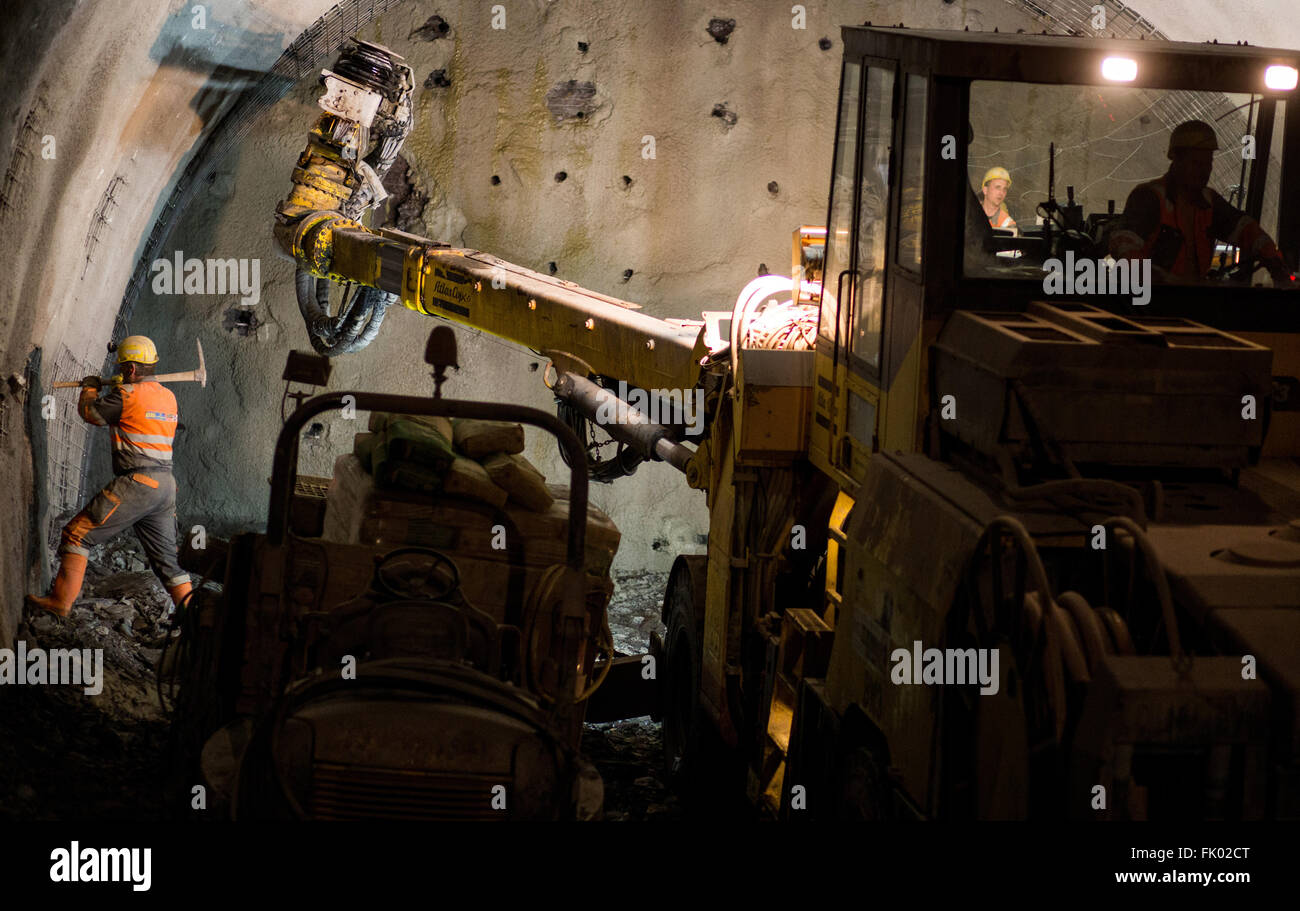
column 699, row 767
column 683, row 715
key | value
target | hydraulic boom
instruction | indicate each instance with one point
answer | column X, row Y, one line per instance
column 367, row 101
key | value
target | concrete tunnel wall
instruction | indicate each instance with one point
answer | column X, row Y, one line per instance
column 127, row 89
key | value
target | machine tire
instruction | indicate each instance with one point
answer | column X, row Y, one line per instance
column 692, row 748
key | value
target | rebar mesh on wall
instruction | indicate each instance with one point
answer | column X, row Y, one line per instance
column 69, row 444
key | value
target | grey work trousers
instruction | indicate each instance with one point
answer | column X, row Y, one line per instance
column 144, row 499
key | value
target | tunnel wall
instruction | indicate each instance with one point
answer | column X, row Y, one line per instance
column 696, row 223
column 129, row 89
column 103, row 102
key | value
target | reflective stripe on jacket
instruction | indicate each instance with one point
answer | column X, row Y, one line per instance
column 143, row 432
column 1002, row 219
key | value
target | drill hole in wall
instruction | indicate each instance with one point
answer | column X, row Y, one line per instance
column 240, row 321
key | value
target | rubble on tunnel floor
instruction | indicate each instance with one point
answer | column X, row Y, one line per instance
column 69, row 755
column 629, row 753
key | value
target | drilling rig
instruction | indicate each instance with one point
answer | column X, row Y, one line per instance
column 975, row 550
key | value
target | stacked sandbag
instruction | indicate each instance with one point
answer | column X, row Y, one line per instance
column 478, row 439
column 409, row 451
column 479, row 460
column 467, row 478
column 498, row 448
column 517, row 476
column 493, row 578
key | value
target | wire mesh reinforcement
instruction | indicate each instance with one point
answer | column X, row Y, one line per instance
column 69, row 444
column 102, row 218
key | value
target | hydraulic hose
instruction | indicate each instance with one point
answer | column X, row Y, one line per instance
column 337, row 160
column 355, row 326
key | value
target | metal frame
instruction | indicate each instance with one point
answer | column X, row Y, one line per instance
column 952, row 60
column 858, row 364
column 285, row 467
column 1040, row 58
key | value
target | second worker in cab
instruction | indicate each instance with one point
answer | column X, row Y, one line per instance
column 1175, row 220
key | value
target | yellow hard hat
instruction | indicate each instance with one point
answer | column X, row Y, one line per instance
column 138, row 348
column 996, row 174
column 1193, row 134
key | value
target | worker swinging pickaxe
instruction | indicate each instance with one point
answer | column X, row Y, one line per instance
column 143, row 417
column 199, row 376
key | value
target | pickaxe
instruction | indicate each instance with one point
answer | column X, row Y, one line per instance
column 200, row 375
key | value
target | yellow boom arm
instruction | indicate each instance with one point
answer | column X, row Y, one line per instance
column 582, row 332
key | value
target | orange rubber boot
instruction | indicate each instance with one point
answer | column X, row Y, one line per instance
column 178, row 592
column 66, row 587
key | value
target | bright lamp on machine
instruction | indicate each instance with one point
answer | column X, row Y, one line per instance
column 1119, row 69
column 1280, row 78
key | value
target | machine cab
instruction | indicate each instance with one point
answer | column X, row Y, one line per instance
column 1075, row 133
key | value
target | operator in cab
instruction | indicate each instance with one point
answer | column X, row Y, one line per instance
column 1175, row 220
column 993, row 196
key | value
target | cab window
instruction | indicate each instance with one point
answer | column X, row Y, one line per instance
column 1109, row 147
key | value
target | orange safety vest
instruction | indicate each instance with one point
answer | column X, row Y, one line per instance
column 1001, row 219
column 1202, row 247
column 142, row 437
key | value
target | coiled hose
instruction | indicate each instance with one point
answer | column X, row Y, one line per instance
column 356, row 324
column 358, row 320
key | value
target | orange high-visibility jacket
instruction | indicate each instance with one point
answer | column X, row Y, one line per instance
column 1002, row 219
column 143, row 417
column 1152, row 209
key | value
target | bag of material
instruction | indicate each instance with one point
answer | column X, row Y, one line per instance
column 435, row 422
column 414, row 441
column 478, row 439
column 467, row 478
column 380, row 419
column 525, row 484
column 409, row 476
column 363, row 447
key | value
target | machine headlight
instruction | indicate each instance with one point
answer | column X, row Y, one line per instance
column 1119, row 69
column 1280, row 78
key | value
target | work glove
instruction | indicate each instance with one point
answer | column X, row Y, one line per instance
column 92, row 382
